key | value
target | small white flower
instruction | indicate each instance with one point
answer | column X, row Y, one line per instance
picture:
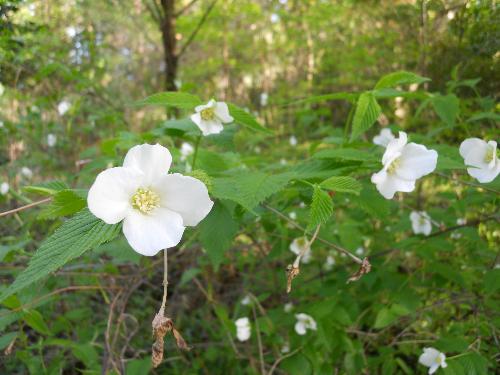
column 186, row 150
column 292, row 215
column 4, row 188
column 421, row 223
column 246, row 300
column 384, row 137
column 482, row 157
column 403, row 165
column 461, row 221
column 26, row 172
column 210, row 117
column 400, row 112
column 275, row 18
column 285, row 348
column 243, row 329
column 288, row 307
column 297, row 247
column 257, row 150
column 51, row 140
column 155, row 206
column 433, row 359
column 304, row 322
column 63, row 107
column 263, row 99
column 293, row 141
column 302, row 205
column 1, row 124
column 360, row 251
column 329, row 263
column 283, row 161
column 456, row 235
column 2, row 89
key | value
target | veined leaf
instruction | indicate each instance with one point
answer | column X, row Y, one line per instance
column 343, row 184
column 246, row 119
column 175, row 99
column 399, row 78
column 65, row 203
column 46, row 188
column 76, row 236
column 345, row 154
column 447, row 108
column 367, row 112
column 321, row 208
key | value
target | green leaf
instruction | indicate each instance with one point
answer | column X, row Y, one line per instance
column 447, row 108
column 46, row 188
column 76, row 236
column 345, row 154
column 321, row 208
column 249, row 188
column 342, row 184
column 492, row 281
column 322, row 98
column 6, row 339
column 484, row 116
column 367, row 112
column 399, row 78
column 217, row 231
column 176, row 99
column 65, row 203
column 246, row 119
column 35, row 320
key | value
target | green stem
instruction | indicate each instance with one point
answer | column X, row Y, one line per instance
column 196, row 151
column 349, row 119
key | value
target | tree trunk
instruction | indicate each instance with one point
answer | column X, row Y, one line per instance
column 169, row 44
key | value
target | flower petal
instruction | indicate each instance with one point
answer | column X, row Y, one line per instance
column 394, row 148
column 147, row 234
column 416, row 161
column 388, row 184
column 211, row 103
column 300, row 328
column 428, row 357
column 484, row 175
column 473, row 150
column 152, row 160
column 222, row 112
column 109, row 196
column 185, row 195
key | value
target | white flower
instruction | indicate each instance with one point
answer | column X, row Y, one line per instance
column 4, row 188
column 461, row 221
column 403, row 165
column 1, row 124
column 482, row 157
column 456, row 235
column 263, row 99
column 421, row 222
column 298, row 245
column 330, row 262
column 186, row 150
column 285, row 348
column 243, row 330
column 293, row 141
column 26, row 172
column 304, row 322
column 246, row 300
column 360, row 251
column 283, row 161
column 51, row 140
column 210, row 117
column 63, row 107
column 433, row 359
column 155, row 206
column 288, row 307
column 384, row 137
column 292, row 215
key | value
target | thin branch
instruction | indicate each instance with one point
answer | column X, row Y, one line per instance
column 165, row 283
column 197, row 29
column 186, row 7
column 468, row 183
column 259, row 342
column 277, row 362
column 22, row 208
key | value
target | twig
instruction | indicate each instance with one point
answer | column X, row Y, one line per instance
column 468, row 183
column 197, row 29
column 22, row 208
column 259, row 342
column 186, row 7
column 277, row 362
column 165, row 283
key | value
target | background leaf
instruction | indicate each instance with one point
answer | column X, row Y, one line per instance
column 367, row 112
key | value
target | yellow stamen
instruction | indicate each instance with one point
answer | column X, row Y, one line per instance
column 207, row 114
column 145, row 200
column 393, row 166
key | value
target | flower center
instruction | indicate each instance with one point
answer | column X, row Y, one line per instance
column 207, row 114
column 422, row 220
column 393, row 166
column 490, row 154
column 145, row 200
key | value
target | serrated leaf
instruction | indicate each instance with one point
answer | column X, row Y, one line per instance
column 345, row 154
column 367, row 112
column 217, row 231
column 64, row 203
column 321, row 208
column 246, row 119
column 46, row 188
column 176, row 99
column 76, row 236
column 342, row 184
column 35, row 320
column 249, row 188
column 447, row 108
column 399, row 78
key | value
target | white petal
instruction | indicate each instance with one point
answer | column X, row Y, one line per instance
column 471, row 148
column 222, row 112
column 149, row 233
column 300, row 328
column 428, row 357
column 196, row 118
column 484, row 175
column 211, row 103
column 152, row 160
column 433, row 369
column 207, row 127
column 185, row 195
column 426, row 228
column 394, row 148
column 384, row 137
column 388, row 184
column 109, row 196
column 416, row 161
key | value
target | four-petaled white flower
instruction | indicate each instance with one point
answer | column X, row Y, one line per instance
column 51, row 140
column 300, row 244
column 304, row 322
column 155, row 206
column 4, row 188
column 210, row 117
column 186, row 150
column 433, row 359
column 63, row 107
column 243, row 329
column 403, row 165
column 384, row 137
column 482, row 157
column 421, row 222
column 26, row 172
column 293, row 141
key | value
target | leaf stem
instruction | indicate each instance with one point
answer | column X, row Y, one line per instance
column 197, row 144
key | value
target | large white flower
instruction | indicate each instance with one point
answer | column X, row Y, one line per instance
column 433, row 359
column 298, row 245
column 384, row 137
column 243, row 329
column 421, row 223
column 482, row 157
column 403, row 165
column 155, row 206
column 210, row 117
column 4, row 188
column 304, row 322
